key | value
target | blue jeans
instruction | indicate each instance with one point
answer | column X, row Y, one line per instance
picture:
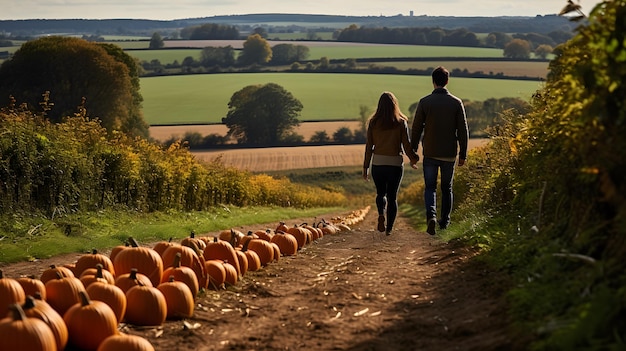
column 387, row 180
column 431, row 171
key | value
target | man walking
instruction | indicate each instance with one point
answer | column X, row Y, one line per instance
column 441, row 118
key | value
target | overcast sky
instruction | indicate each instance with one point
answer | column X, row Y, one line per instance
column 180, row 9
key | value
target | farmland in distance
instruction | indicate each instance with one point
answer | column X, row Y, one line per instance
column 301, row 157
column 203, row 99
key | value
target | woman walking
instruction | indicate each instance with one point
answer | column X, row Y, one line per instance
column 387, row 142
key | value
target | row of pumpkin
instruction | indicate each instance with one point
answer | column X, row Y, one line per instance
column 81, row 304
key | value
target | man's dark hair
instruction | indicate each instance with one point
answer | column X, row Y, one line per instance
column 440, row 76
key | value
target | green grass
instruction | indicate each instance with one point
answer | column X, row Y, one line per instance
column 388, row 51
column 34, row 237
column 318, row 50
column 198, row 99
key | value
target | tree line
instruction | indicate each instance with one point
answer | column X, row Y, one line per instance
column 449, row 37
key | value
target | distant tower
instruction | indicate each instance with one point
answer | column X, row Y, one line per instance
column 411, row 13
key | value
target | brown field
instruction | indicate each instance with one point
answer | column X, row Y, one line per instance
column 301, row 157
column 280, row 158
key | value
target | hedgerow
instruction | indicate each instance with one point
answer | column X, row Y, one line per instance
column 76, row 165
column 550, row 192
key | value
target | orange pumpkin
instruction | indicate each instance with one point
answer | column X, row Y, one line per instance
column 63, row 292
column 90, row 276
column 144, row 259
column 231, row 273
column 254, row 263
column 128, row 280
column 243, row 260
column 146, row 306
column 89, row 323
column 51, row 273
column 264, row 249
column 32, row 285
column 277, row 253
column 264, row 234
column 188, row 258
column 315, row 234
column 110, row 294
column 40, row 309
column 282, row 227
column 222, row 250
column 302, row 235
column 92, row 260
column 192, row 241
column 231, row 235
column 180, row 302
column 18, row 332
column 162, row 245
column 247, row 238
column 116, row 250
column 216, row 273
column 287, row 243
column 125, row 342
column 11, row 292
column 182, row 274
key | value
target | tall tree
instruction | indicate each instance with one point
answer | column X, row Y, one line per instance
column 156, row 42
column 517, row 49
column 135, row 124
column 262, row 114
column 73, row 69
column 256, row 50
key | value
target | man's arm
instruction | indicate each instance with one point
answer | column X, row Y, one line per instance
column 418, row 127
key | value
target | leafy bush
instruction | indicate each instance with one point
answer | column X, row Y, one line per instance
column 553, row 183
column 78, row 166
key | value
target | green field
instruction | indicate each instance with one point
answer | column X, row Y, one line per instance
column 391, row 51
column 332, row 51
column 199, row 99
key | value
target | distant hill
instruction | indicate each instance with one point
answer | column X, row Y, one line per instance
column 537, row 24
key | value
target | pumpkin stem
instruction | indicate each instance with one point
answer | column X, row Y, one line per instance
column 232, row 238
column 133, row 274
column 84, row 298
column 18, row 312
column 193, row 234
column 245, row 246
column 94, row 251
column 177, row 258
column 99, row 271
column 37, row 295
column 133, row 242
column 29, row 303
column 171, row 279
column 1, row 274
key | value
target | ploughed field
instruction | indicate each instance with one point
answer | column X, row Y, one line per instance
column 281, row 158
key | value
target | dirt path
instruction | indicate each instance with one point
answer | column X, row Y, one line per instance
column 356, row 290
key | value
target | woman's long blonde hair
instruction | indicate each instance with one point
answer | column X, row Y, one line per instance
column 388, row 113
